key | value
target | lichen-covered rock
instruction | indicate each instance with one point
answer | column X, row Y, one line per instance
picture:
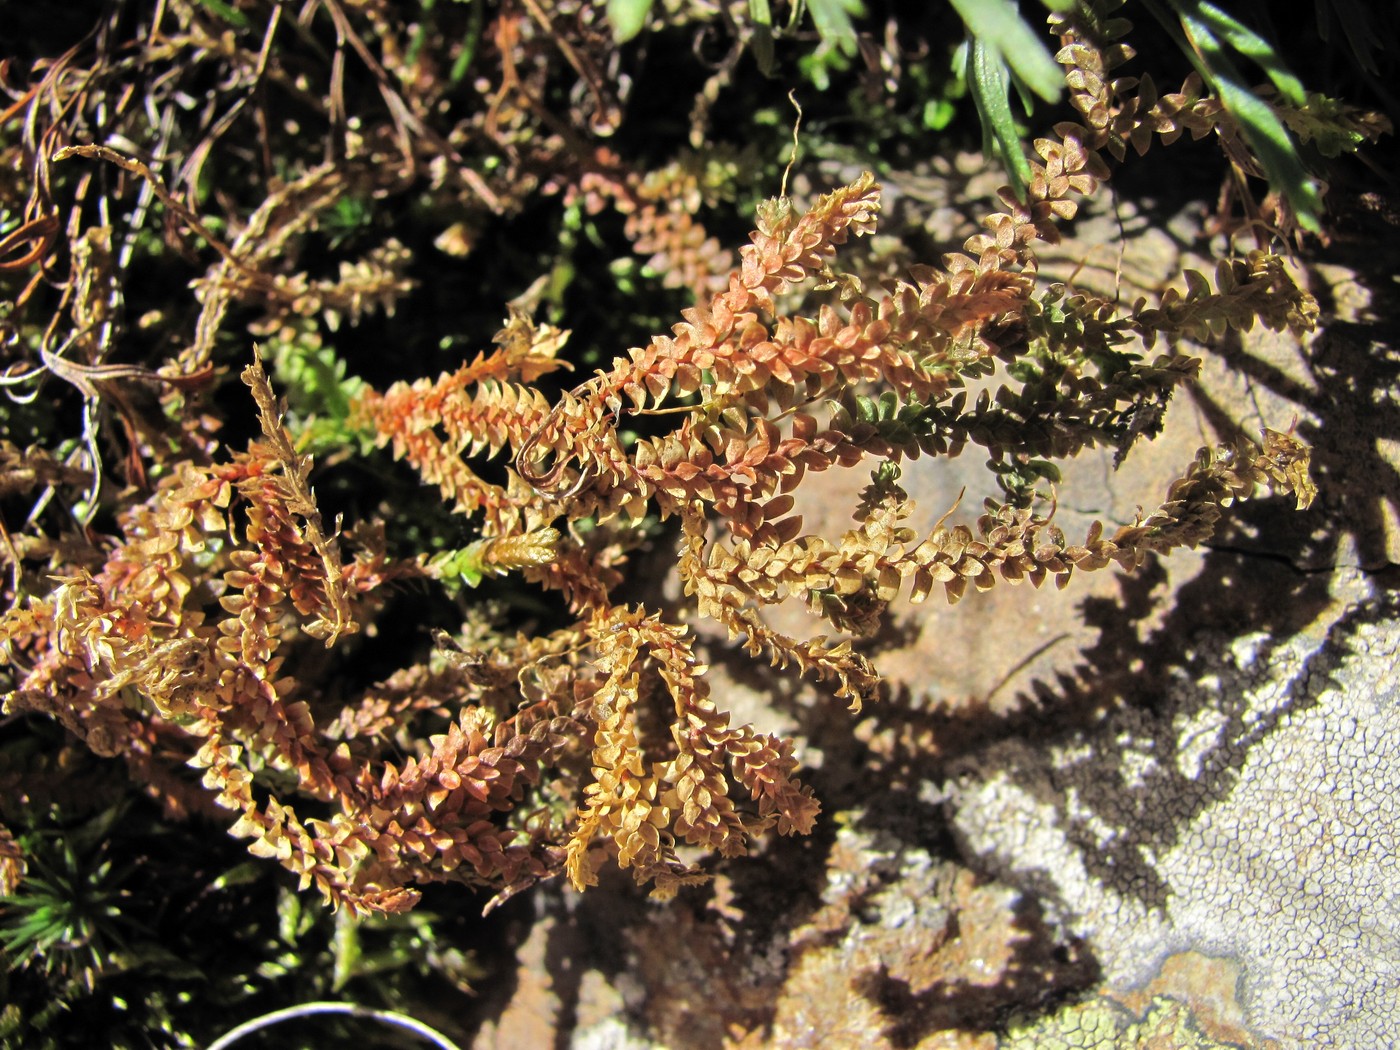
column 1247, row 812
column 1102, row 1024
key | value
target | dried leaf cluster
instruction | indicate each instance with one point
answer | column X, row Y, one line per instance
column 180, row 643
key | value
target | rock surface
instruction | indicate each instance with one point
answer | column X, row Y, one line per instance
column 1246, row 811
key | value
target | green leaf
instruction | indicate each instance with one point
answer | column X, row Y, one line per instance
column 1248, row 43
column 227, row 12
column 1326, row 123
column 462, row 564
column 989, row 82
column 998, row 26
column 476, row 18
column 345, row 949
column 244, row 874
column 1263, row 132
column 627, row 17
column 938, row 114
column 833, row 21
column 762, row 39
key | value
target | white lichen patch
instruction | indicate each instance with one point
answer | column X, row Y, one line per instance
column 1255, row 821
column 1198, row 734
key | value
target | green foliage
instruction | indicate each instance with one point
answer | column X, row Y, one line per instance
column 1007, row 38
column 1329, row 125
column 1210, row 37
column 1003, row 52
column 839, row 44
column 833, row 20
column 69, row 913
column 228, row 12
column 318, row 391
column 627, row 18
column 989, row 81
column 98, row 937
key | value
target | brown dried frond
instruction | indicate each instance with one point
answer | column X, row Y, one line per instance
column 786, row 249
column 856, row 680
column 918, row 339
column 476, row 410
column 321, row 854
column 721, row 349
column 219, row 680
column 1017, row 545
column 286, row 213
column 661, row 223
column 502, row 759
column 391, row 705
column 321, row 593
column 435, row 814
column 22, row 470
column 1123, row 111
column 1218, row 477
column 1066, row 170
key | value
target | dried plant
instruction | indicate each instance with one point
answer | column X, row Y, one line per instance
column 188, row 641
column 180, row 643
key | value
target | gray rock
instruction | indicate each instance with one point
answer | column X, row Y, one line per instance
column 1244, row 810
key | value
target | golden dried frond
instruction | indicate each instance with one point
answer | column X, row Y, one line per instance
column 847, row 582
column 497, row 556
column 1255, row 288
column 12, row 865
column 509, row 553
column 376, row 282
column 623, row 802
column 526, row 350
column 713, row 579
column 643, row 806
column 321, row 593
